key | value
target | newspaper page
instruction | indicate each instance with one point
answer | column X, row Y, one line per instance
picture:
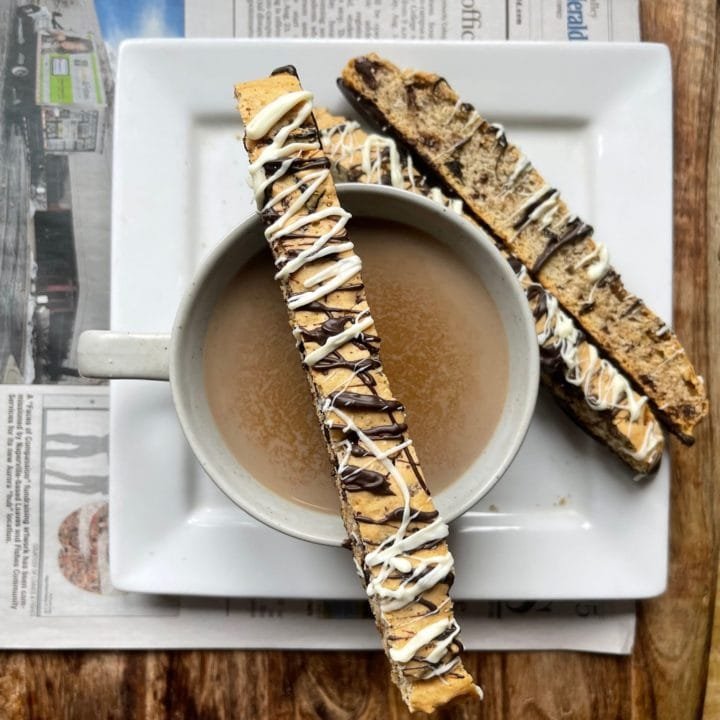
column 466, row 20
column 56, row 101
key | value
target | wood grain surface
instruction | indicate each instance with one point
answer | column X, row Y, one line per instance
column 674, row 671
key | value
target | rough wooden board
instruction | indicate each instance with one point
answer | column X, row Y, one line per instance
column 670, row 664
column 712, row 257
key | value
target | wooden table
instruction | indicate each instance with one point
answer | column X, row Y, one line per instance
column 674, row 670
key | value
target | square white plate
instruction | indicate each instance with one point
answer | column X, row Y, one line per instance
column 567, row 520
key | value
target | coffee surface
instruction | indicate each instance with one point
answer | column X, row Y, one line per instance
column 443, row 348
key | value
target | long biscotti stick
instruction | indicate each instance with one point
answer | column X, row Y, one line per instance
column 396, row 535
column 588, row 387
column 509, row 196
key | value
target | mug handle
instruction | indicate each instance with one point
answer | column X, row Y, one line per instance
column 107, row 354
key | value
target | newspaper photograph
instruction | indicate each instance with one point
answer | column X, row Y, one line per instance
column 57, row 64
column 55, row 133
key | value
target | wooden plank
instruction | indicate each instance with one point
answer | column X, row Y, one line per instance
column 712, row 690
column 670, row 661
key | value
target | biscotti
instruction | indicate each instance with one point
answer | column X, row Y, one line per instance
column 587, row 386
column 502, row 189
column 396, row 535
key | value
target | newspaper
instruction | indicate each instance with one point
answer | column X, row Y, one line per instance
column 468, row 20
column 56, row 143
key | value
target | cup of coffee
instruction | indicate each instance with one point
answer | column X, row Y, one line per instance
column 458, row 345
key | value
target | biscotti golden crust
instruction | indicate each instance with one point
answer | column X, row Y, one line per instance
column 396, row 535
column 588, row 387
column 509, row 196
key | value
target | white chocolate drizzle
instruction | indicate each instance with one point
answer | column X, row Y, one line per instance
column 376, row 164
column 410, row 171
column 454, row 110
column 540, row 207
column 435, row 655
column 598, row 262
column 273, row 112
column 603, row 386
column 337, row 140
column 442, row 669
column 335, row 341
column 650, row 443
column 474, row 121
column 336, row 275
column 372, row 159
column 425, row 574
column 543, row 213
column 613, row 391
column 425, row 636
column 521, row 166
column 499, row 130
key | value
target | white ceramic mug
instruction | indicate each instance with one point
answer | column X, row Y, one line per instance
column 178, row 357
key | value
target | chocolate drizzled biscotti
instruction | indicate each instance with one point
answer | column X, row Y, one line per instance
column 396, row 535
column 588, row 387
column 508, row 196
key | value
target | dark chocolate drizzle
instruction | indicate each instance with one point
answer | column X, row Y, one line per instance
column 309, row 134
column 515, row 264
column 423, row 516
column 297, row 165
column 294, row 252
column 305, row 236
column 431, row 606
column 358, row 401
column 317, row 306
column 394, row 431
column 538, row 292
column 528, row 210
column 334, row 360
column 357, row 450
column 285, row 70
column 453, row 627
column 332, row 326
column 355, row 479
column 574, row 232
column 634, row 305
column 269, row 215
column 551, row 361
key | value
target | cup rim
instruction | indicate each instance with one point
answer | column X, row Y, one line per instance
column 348, row 192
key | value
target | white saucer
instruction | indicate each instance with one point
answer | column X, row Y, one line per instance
column 567, row 520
